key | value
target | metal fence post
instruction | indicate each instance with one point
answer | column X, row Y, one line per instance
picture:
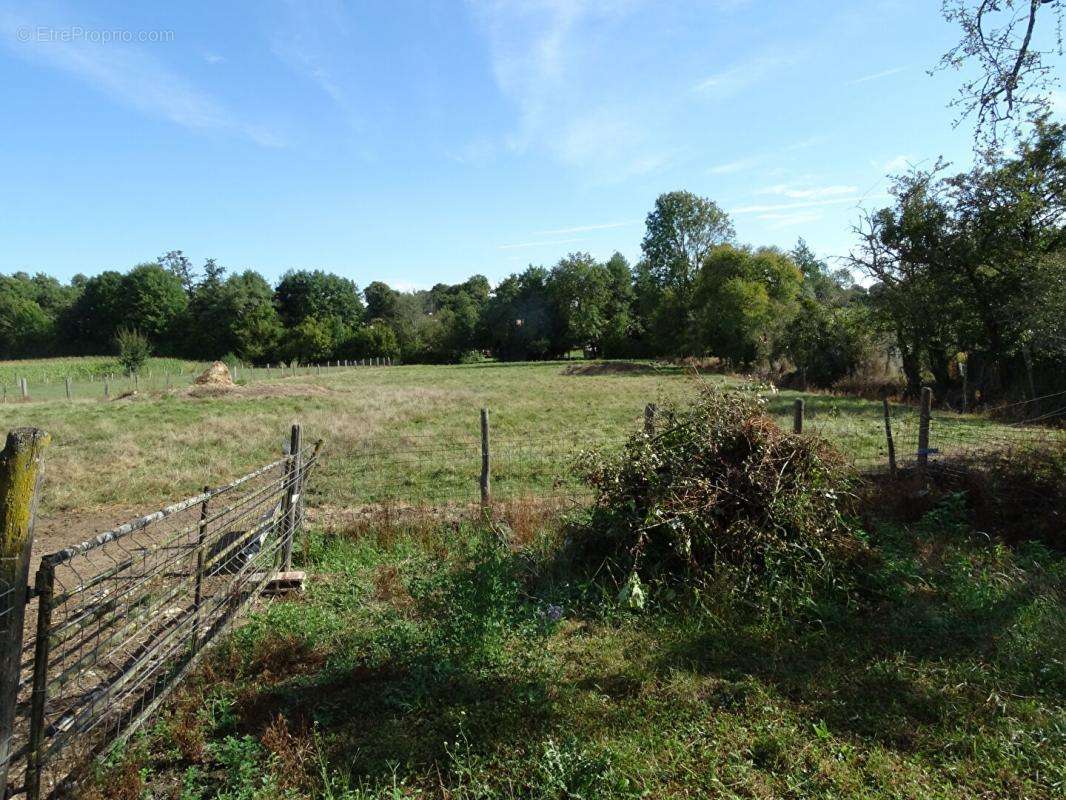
column 292, row 497
column 198, row 590
column 20, row 472
column 486, row 494
column 923, row 426
column 797, row 415
column 45, row 589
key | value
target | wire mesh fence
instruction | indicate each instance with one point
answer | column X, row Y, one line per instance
column 120, row 619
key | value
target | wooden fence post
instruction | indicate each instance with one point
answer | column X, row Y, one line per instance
column 486, row 494
column 797, row 415
column 107, row 389
column 25, row 389
column 923, row 426
column 291, row 503
column 20, row 478
column 649, row 419
column 888, row 435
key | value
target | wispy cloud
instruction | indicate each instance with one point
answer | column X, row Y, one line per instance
column 312, row 41
column 583, row 228
column 731, row 167
column 808, row 193
column 214, row 58
column 548, row 58
column 775, row 221
column 774, row 207
column 877, row 76
column 895, row 165
column 545, row 243
column 129, row 74
column 735, row 79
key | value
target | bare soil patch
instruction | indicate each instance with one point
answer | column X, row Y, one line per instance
column 611, row 368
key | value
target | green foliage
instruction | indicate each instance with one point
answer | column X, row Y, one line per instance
column 720, row 488
column 154, row 303
column 302, row 295
column 376, row 340
column 744, row 302
column 944, row 681
column 828, row 343
column 968, row 263
column 133, row 348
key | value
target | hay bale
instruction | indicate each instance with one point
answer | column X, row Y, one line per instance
column 217, row 375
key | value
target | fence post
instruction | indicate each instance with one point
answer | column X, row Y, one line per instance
column 25, row 389
column 923, row 426
column 107, row 389
column 649, row 419
column 136, row 381
column 888, row 435
column 66, row 383
column 292, row 497
column 44, row 587
column 486, row 495
column 20, row 472
column 797, row 415
column 198, row 591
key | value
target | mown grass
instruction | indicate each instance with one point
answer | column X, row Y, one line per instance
column 430, row 663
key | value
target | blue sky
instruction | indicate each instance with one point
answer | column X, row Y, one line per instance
column 417, row 142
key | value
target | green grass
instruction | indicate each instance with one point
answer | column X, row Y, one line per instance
column 405, row 435
column 425, row 665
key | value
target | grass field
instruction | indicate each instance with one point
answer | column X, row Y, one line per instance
column 427, row 660
column 405, row 434
column 433, row 666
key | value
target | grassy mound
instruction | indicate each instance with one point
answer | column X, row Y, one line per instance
column 719, row 487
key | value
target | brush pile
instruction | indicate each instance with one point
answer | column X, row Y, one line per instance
column 718, row 486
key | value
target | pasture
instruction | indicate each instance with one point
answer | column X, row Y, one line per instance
column 427, row 661
column 402, row 434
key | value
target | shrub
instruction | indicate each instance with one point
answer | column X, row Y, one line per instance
column 133, row 349
column 719, row 488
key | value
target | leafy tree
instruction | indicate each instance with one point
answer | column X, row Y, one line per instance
column 743, row 302
column 579, row 292
column 376, row 340
column 303, row 294
column 382, row 302
column 681, row 231
column 91, row 322
column 153, row 302
column 180, row 266
column 617, row 336
column 133, row 349
column 960, row 263
column 519, row 319
column 309, row 341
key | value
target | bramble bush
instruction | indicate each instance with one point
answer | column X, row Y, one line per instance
column 720, row 490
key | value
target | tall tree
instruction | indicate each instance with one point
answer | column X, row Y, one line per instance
column 680, row 231
column 302, row 294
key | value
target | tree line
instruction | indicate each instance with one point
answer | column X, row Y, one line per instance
column 966, row 280
column 695, row 291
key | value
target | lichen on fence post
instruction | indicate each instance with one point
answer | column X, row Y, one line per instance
column 20, row 473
